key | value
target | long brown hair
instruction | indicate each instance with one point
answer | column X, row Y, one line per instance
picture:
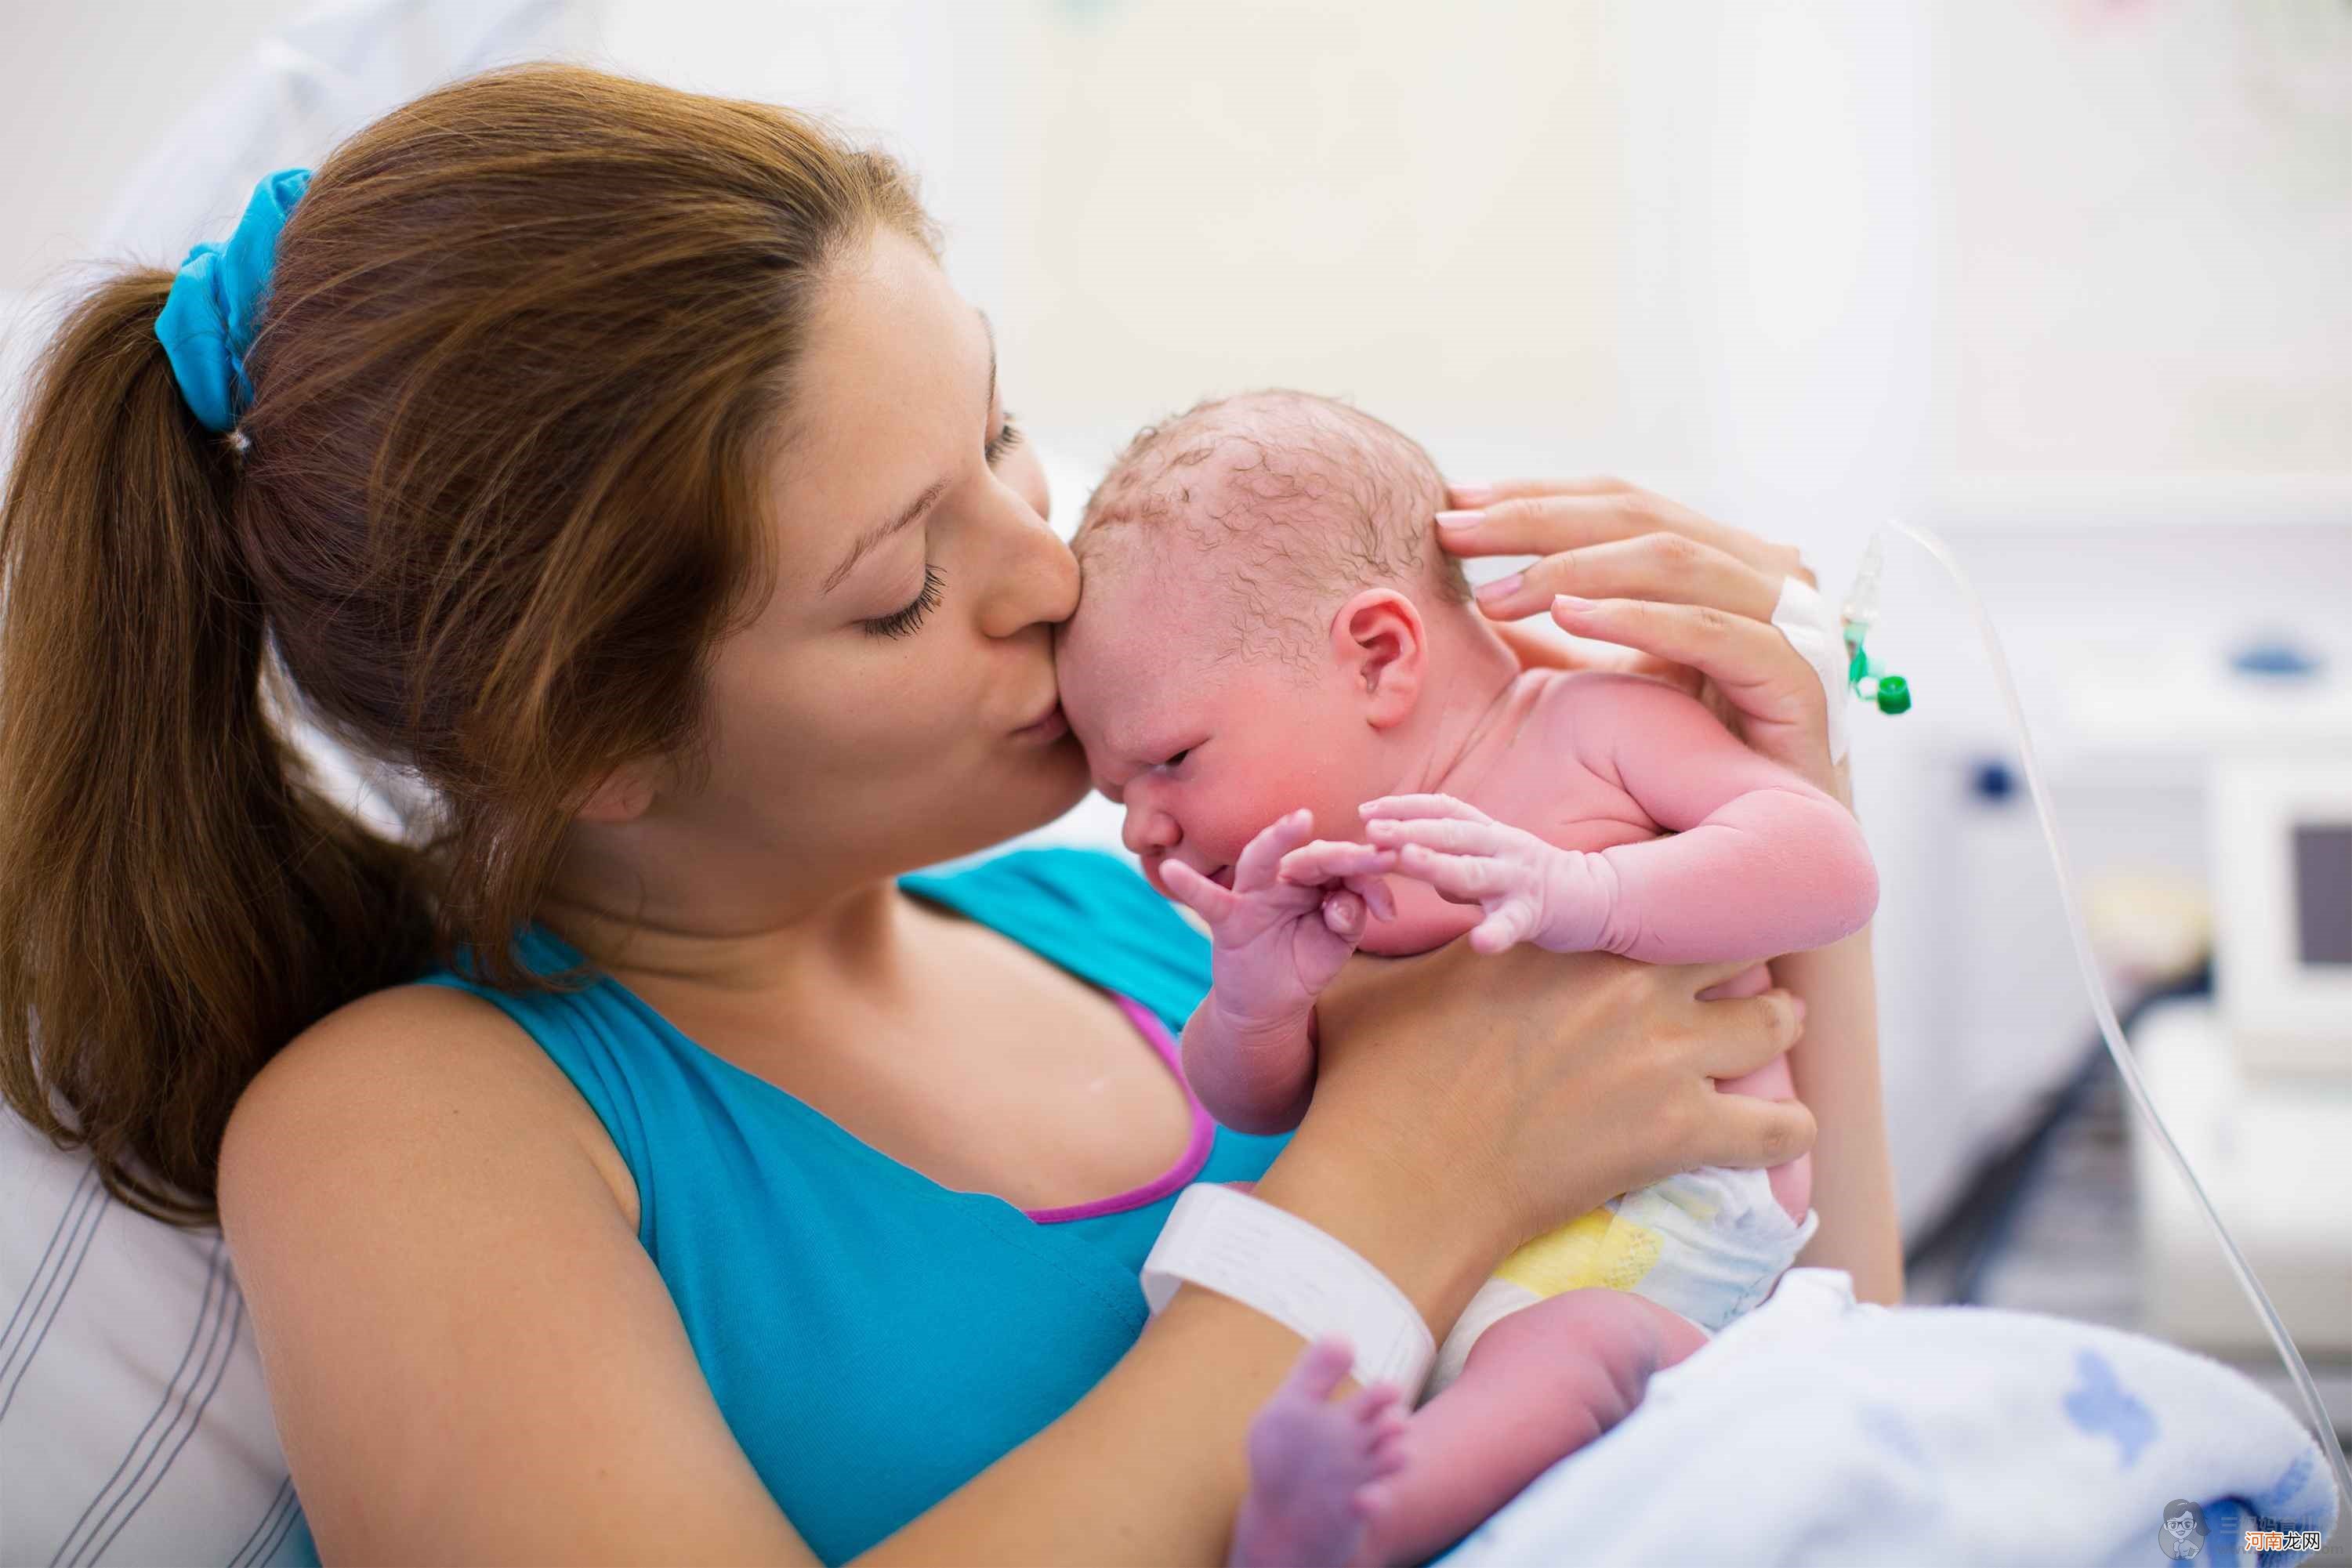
column 527, row 347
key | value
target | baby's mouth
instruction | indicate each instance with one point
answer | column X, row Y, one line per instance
column 1224, row 877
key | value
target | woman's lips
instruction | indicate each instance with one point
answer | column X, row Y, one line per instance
column 1052, row 727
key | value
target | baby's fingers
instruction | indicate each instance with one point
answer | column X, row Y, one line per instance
column 1460, row 879
column 1334, row 860
column 1343, row 915
column 1263, row 854
column 1375, row 893
column 1424, row 805
column 1195, row 892
column 1452, row 835
column 1501, row 931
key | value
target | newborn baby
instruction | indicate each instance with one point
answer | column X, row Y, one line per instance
column 1270, row 646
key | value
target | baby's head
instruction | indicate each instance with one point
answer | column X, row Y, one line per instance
column 1264, row 621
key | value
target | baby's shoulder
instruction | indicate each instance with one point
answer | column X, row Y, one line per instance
column 1561, row 702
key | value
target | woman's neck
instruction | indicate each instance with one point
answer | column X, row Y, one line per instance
column 853, row 939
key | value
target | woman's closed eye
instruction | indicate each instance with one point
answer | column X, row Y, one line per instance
column 1007, row 437
column 902, row 623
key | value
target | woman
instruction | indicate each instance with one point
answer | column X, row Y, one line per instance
column 621, row 462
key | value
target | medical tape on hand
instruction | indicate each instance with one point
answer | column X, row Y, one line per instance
column 1300, row 1276
column 1805, row 618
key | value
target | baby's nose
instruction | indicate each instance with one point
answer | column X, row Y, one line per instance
column 1149, row 830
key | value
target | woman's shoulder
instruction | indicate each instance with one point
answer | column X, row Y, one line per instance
column 411, row 1072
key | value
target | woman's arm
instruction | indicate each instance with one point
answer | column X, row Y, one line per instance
column 471, row 1357
column 1693, row 599
column 1837, row 1077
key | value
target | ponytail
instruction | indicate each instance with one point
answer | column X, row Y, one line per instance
column 177, row 899
column 485, row 488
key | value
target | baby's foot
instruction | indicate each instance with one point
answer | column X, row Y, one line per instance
column 1313, row 1500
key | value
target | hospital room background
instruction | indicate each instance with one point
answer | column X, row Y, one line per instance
column 2064, row 281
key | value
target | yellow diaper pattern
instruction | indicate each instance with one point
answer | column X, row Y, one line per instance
column 1596, row 1249
column 1705, row 1244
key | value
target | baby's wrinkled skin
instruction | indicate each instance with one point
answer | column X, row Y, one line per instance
column 1284, row 735
column 1320, row 744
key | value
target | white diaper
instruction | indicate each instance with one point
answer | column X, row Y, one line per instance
column 1708, row 1244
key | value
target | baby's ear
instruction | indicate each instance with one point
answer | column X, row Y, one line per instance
column 1379, row 640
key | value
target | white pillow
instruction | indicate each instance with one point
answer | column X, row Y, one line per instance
column 134, row 1423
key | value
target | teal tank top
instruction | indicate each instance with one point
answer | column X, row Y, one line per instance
column 875, row 1339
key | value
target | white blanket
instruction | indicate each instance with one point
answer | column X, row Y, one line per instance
column 1817, row 1430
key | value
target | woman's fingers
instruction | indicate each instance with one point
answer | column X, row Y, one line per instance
column 1658, row 566
column 1740, row 1034
column 1690, row 979
column 1541, row 517
column 1783, row 714
column 1513, row 489
column 1748, row 1134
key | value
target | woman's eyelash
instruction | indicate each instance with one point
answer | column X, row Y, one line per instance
column 1007, row 437
column 903, row 623
column 899, row 623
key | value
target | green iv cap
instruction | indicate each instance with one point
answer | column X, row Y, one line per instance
column 1893, row 694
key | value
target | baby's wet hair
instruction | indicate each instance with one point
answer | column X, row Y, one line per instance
column 1304, row 497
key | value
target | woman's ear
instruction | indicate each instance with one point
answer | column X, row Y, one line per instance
column 626, row 794
column 1379, row 642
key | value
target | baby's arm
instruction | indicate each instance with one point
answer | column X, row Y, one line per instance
column 1761, row 862
column 1277, row 936
column 1758, row 863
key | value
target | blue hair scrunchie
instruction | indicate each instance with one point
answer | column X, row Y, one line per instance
column 208, row 323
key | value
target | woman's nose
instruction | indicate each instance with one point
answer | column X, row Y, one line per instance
column 1032, row 577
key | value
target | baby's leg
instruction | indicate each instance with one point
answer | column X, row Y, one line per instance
column 1792, row 1183
column 1539, row 1385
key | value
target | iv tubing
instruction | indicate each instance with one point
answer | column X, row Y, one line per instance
column 2108, row 1027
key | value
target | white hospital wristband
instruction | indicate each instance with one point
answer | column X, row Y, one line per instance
column 1805, row 618
column 1297, row 1274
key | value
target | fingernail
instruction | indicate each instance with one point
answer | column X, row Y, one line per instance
column 1464, row 519
column 1502, row 588
column 1470, row 495
column 1570, row 604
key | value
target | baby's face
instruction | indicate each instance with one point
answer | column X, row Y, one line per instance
column 1204, row 753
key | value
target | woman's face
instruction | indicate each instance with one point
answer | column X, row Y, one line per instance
column 872, row 719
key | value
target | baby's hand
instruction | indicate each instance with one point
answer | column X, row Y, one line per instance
column 1294, row 914
column 1532, row 891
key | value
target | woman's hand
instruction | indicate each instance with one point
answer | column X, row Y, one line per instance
column 1692, row 597
column 1506, row 1094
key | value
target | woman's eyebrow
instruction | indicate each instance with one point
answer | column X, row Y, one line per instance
column 880, row 531
column 922, row 503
